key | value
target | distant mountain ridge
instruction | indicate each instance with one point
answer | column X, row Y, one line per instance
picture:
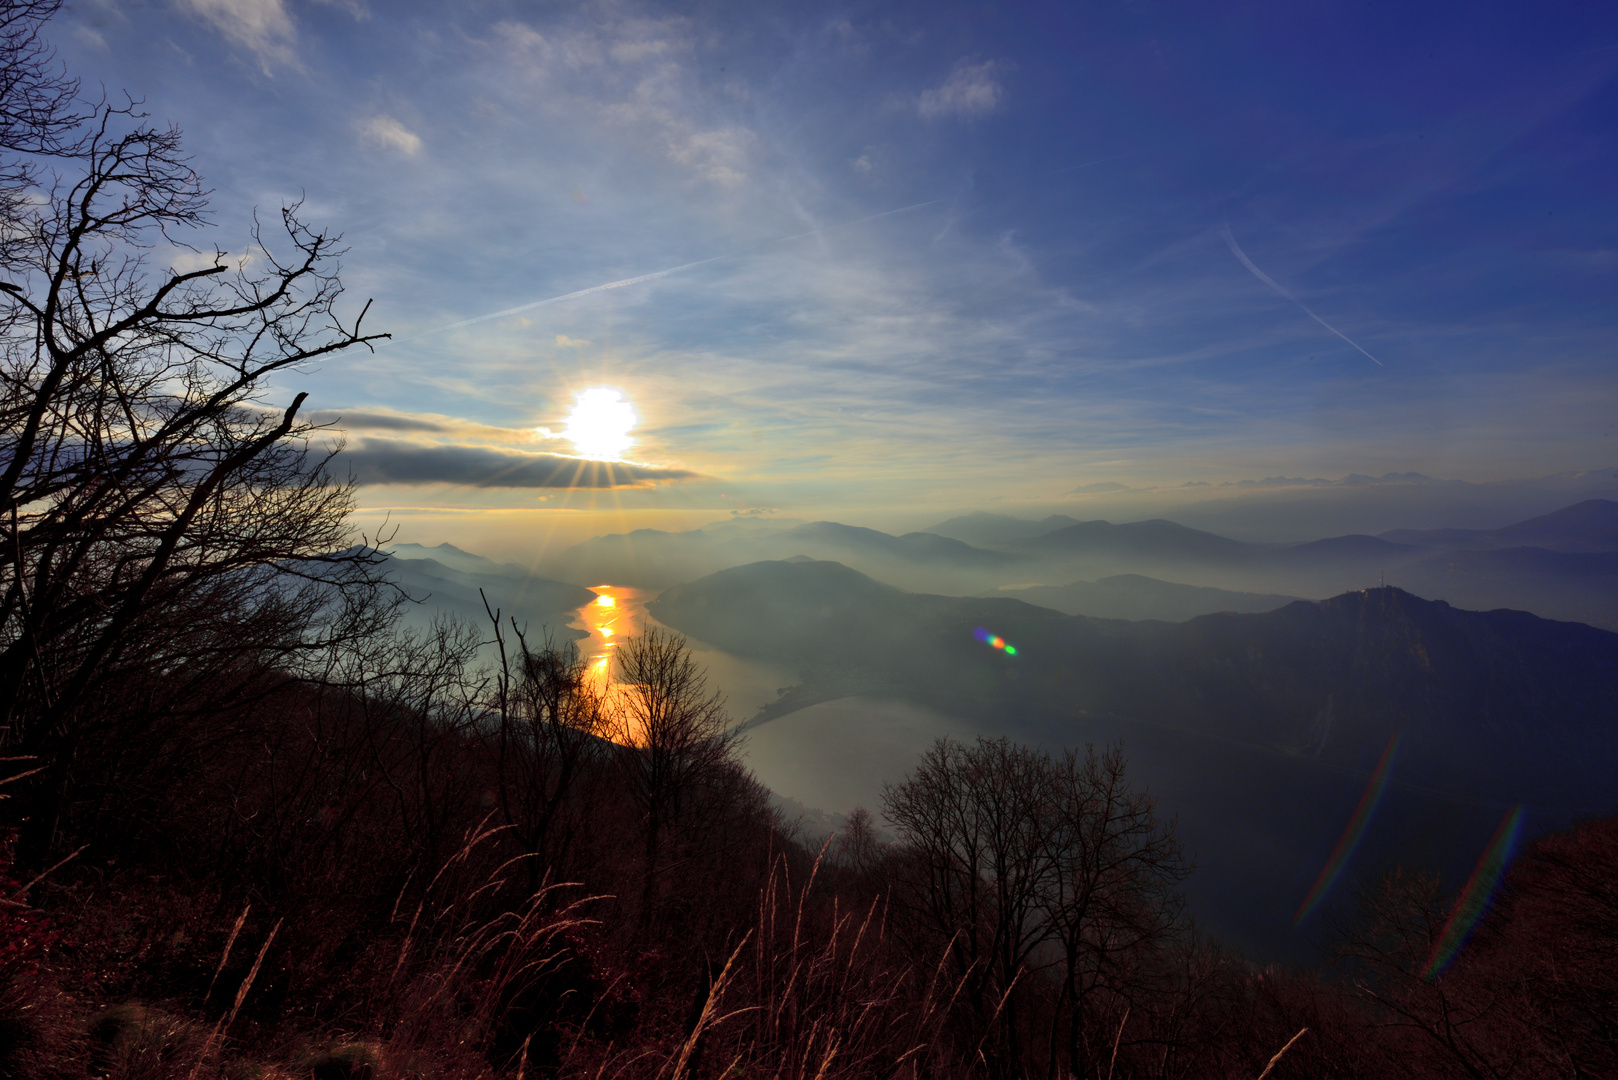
column 1589, row 526
column 1554, row 565
column 444, row 579
column 1327, row 679
column 1257, row 731
column 1135, row 596
column 1156, row 539
column 1561, row 565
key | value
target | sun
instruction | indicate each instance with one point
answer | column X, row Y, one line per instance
column 600, row 423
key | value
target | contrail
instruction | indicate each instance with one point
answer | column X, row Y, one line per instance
column 558, row 299
column 644, row 277
column 1236, row 250
column 859, row 221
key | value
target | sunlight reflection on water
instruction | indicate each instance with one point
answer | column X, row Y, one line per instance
column 618, row 612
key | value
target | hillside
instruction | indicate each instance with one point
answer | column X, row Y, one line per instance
column 1135, row 596
column 1258, row 731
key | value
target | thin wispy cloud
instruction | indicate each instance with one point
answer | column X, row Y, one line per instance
column 262, row 26
column 1236, row 250
column 575, row 295
column 740, row 213
column 972, row 90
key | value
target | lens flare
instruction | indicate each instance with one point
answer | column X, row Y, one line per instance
column 1351, row 835
column 600, row 423
column 995, row 641
column 1474, row 899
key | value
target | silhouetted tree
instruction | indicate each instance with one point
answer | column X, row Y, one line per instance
column 40, row 115
column 1018, row 864
column 154, row 513
column 1113, row 890
column 552, row 721
column 674, row 732
column 973, row 821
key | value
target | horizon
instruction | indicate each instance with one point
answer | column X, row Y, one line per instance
column 888, row 269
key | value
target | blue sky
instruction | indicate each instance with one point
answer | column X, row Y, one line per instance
column 948, row 255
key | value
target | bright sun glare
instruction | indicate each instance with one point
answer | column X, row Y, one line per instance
column 600, row 424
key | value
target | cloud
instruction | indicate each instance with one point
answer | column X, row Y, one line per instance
column 971, row 90
column 355, row 8
column 1351, row 480
column 373, row 421
column 386, row 131
column 637, row 75
column 264, row 26
column 449, row 427
column 394, row 461
column 1236, row 250
column 719, row 155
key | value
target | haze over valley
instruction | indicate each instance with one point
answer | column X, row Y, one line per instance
column 1256, row 717
column 625, row 540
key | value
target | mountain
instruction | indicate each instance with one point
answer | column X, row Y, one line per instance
column 1346, row 549
column 1135, row 596
column 917, row 546
column 1258, row 731
column 1589, row 526
column 448, row 581
column 1156, row 540
column 1558, row 583
column 1564, row 585
column 652, row 558
column 1323, row 680
column 997, row 530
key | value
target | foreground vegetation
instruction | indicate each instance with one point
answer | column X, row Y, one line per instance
column 251, row 828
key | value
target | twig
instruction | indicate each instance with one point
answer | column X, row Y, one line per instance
column 47, row 873
column 234, row 930
column 1279, row 1052
column 1118, row 1037
column 222, row 1026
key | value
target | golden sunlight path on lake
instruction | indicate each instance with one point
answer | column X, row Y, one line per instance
column 618, row 612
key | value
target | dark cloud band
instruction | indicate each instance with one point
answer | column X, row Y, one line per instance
column 353, row 418
column 392, row 461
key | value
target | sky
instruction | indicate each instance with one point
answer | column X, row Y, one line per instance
column 888, row 261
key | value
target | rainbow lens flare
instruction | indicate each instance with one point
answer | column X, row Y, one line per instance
column 1474, row 899
column 994, row 640
column 1351, row 835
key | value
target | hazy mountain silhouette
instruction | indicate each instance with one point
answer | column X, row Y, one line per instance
column 1567, row 577
column 994, row 530
column 446, row 579
column 1156, row 540
column 916, row 546
column 1565, row 585
column 1135, row 596
column 1258, row 730
column 1322, row 680
column 652, row 558
column 1589, row 526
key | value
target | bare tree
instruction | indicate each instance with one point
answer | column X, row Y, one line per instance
column 675, row 733
column 1018, row 864
column 972, row 822
column 40, row 115
column 153, row 510
column 1114, row 887
column 551, row 721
